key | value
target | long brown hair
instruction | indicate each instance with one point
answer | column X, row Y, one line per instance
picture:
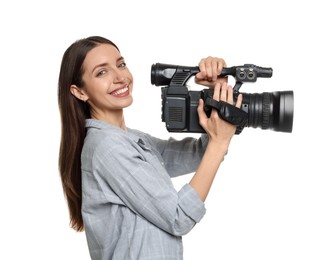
column 73, row 113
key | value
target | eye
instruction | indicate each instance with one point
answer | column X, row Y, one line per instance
column 122, row 65
column 101, row 73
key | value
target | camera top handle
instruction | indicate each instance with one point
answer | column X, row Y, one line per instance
column 177, row 76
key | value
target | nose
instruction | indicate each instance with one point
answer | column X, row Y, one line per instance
column 119, row 76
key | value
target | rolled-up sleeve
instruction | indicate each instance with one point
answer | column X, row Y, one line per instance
column 189, row 202
column 137, row 176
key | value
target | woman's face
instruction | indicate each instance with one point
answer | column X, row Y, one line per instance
column 108, row 81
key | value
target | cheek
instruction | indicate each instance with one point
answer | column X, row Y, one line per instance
column 129, row 76
column 130, row 80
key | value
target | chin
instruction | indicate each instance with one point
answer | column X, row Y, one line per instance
column 127, row 103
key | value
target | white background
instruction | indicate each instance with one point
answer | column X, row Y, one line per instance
column 266, row 199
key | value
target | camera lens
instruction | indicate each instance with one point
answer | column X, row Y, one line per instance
column 270, row 110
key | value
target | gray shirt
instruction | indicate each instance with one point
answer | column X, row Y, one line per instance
column 130, row 207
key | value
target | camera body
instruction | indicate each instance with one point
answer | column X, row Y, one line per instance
column 179, row 105
column 179, row 110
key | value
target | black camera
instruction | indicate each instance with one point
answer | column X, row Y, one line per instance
column 179, row 105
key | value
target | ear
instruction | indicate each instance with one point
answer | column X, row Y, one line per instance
column 78, row 93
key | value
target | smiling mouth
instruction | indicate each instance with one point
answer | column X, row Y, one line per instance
column 120, row 92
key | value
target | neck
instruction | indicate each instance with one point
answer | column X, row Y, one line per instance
column 116, row 118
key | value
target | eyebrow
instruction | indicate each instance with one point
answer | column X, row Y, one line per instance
column 106, row 64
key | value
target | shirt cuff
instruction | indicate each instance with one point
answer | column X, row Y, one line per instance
column 190, row 203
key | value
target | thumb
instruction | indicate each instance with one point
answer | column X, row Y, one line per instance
column 201, row 113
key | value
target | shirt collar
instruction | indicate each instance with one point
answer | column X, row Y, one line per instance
column 101, row 125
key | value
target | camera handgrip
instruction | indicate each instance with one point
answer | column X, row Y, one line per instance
column 228, row 112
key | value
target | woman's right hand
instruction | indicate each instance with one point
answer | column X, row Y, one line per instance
column 218, row 129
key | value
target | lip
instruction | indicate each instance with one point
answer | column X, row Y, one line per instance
column 123, row 91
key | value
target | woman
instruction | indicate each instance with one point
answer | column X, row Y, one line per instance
column 117, row 180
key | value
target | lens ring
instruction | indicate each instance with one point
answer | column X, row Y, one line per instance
column 266, row 110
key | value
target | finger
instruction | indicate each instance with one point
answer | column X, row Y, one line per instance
column 200, row 75
column 239, row 101
column 210, row 68
column 201, row 113
column 202, row 63
column 230, row 95
column 217, row 91
column 214, row 65
column 202, row 68
column 221, row 65
column 223, row 92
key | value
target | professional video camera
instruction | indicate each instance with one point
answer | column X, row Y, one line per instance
column 179, row 105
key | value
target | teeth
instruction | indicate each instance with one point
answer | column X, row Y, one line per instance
column 120, row 91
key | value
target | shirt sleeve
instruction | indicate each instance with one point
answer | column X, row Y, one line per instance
column 180, row 156
column 139, row 179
